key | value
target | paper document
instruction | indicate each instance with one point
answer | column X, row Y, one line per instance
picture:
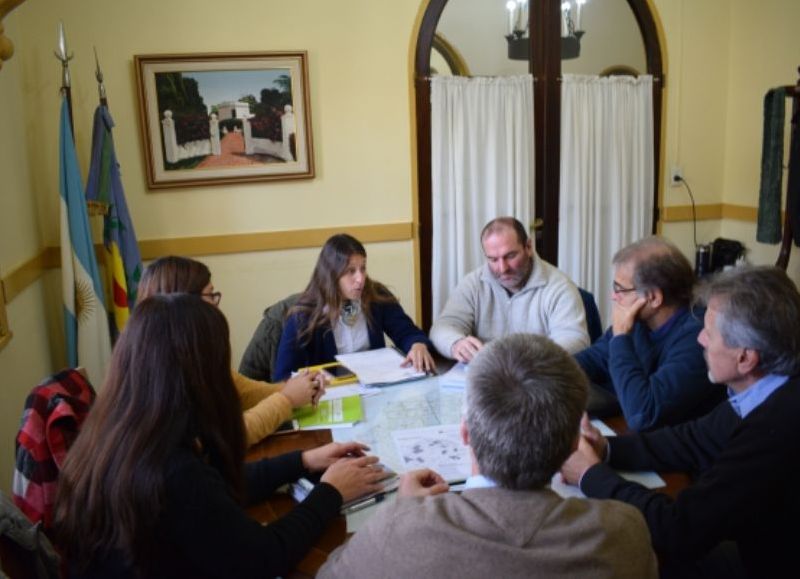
column 379, row 367
column 337, row 413
column 436, row 447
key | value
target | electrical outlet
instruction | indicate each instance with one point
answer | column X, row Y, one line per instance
column 676, row 176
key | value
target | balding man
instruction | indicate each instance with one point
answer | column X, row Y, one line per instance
column 515, row 291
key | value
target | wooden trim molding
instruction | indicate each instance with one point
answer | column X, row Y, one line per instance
column 5, row 331
column 50, row 257
column 678, row 213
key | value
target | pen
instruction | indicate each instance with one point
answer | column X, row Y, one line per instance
column 363, row 504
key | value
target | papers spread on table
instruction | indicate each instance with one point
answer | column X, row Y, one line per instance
column 455, row 377
column 647, row 479
column 439, row 448
column 336, row 413
column 302, row 487
column 334, row 392
column 379, row 367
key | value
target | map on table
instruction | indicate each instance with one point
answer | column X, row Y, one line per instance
column 439, row 448
column 411, row 405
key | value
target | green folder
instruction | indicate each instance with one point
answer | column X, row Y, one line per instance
column 336, row 413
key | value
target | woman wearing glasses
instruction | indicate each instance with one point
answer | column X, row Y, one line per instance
column 343, row 310
column 266, row 406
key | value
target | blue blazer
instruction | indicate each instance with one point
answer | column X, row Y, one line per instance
column 321, row 348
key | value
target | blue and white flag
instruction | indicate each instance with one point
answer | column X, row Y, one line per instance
column 85, row 321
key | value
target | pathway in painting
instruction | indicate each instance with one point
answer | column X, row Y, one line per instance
column 232, row 146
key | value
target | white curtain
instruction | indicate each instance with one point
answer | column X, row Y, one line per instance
column 482, row 168
column 607, row 173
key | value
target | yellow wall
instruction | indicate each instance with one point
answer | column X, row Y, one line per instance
column 26, row 359
column 723, row 55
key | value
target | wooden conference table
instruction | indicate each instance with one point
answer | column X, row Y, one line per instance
column 410, row 405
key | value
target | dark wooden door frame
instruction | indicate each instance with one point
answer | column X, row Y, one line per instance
column 545, row 66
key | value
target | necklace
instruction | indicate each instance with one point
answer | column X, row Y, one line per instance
column 351, row 309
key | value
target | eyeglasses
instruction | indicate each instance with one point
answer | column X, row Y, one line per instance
column 618, row 289
column 213, row 297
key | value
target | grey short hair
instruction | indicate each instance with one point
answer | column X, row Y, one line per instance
column 524, row 400
column 658, row 264
column 758, row 307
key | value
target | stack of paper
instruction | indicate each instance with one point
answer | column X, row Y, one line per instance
column 337, row 413
column 379, row 367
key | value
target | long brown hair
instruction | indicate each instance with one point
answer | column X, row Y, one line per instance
column 169, row 386
column 173, row 274
column 321, row 301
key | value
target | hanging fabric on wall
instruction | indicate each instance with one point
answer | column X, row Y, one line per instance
column 481, row 168
column 607, row 175
column 769, row 193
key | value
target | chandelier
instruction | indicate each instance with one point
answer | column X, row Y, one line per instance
column 518, row 23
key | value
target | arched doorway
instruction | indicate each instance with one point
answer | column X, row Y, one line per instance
column 545, row 66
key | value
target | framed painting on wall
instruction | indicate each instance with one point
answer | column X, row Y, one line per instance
column 224, row 118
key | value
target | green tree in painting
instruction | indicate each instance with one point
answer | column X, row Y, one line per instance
column 178, row 94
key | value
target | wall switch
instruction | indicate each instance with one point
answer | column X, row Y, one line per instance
column 676, row 176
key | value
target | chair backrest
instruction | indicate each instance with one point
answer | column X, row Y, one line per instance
column 25, row 551
column 594, row 324
column 54, row 413
column 259, row 357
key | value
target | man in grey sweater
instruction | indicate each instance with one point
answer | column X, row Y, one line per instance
column 524, row 401
column 515, row 291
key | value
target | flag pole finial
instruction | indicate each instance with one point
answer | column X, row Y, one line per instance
column 64, row 56
column 101, row 88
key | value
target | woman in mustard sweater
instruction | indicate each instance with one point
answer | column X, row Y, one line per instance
column 266, row 406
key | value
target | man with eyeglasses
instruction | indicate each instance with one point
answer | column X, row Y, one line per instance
column 649, row 364
column 514, row 292
column 739, row 516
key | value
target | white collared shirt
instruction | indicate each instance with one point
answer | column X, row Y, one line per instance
column 353, row 338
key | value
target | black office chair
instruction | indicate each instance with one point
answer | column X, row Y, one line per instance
column 593, row 322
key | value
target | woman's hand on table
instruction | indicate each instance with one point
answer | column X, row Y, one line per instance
column 422, row 483
column 420, row 358
column 305, row 388
column 355, row 477
column 320, row 458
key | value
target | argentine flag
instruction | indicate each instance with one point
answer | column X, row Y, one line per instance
column 85, row 321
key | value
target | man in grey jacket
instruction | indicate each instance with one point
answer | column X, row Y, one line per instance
column 524, row 401
column 515, row 291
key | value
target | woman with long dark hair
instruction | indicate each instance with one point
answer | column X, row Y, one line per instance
column 266, row 406
column 154, row 483
column 343, row 310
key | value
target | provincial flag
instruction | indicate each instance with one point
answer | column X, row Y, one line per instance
column 85, row 321
column 104, row 186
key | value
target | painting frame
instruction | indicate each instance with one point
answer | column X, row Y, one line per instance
column 270, row 137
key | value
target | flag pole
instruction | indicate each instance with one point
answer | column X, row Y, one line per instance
column 66, row 80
